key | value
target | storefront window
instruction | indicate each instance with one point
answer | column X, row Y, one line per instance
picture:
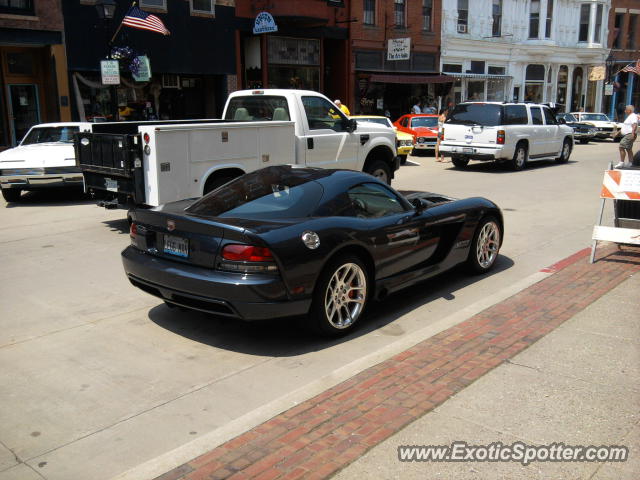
column 495, row 90
column 304, row 78
column 576, row 97
column 294, row 63
column 475, row 90
column 534, row 83
column 563, row 75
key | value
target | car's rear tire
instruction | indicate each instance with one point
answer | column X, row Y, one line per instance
column 485, row 245
column 340, row 296
column 11, row 194
column 460, row 162
column 380, row 169
column 565, row 153
column 519, row 161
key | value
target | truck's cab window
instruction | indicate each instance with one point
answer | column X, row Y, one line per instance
column 257, row 108
column 323, row 114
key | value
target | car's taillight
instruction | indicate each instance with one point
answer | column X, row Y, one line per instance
column 133, row 230
column 501, row 137
column 247, row 259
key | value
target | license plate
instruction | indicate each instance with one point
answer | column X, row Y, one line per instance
column 112, row 185
column 176, row 246
column 468, row 137
column 467, row 150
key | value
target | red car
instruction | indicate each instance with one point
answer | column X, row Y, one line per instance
column 423, row 127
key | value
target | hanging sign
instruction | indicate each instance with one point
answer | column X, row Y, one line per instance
column 596, row 73
column 608, row 89
column 110, row 70
column 399, row 49
column 264, row 23
column 144, row 69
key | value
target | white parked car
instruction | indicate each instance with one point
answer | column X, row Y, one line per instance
column 44, row 159
column 511, row 133
column 605, row 127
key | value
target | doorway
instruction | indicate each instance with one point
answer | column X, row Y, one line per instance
column 24, row 109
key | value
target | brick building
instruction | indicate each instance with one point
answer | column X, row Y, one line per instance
column 308, row 51
column 624, row 41
column 379, row 83
column 33, row 67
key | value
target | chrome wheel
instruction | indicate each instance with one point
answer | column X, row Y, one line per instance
column 521, row 158
column 488, row 244
column 566, row 149
column 345, row 296
column 381, row 174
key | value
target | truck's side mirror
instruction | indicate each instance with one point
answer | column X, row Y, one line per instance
column 350, row 125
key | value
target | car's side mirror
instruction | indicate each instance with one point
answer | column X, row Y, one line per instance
column 350, row 125
column 420, row 204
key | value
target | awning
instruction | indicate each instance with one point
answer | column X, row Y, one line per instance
column 376, row 78
column 479, row 76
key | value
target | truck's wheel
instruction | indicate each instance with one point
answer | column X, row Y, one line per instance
column 459, row 162
column 380, row 169
column 519, row 161
column 11, row 194
column 213, row 183
column 566, row 151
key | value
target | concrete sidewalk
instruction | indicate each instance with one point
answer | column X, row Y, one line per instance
column 496, row 377
column 579, row 385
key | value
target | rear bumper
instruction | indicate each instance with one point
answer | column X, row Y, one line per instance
column 476, row 152
column 248, row 297
column 33, row 182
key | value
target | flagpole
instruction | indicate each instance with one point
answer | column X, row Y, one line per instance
column 133, row 4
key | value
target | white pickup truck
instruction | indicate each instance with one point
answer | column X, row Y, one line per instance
column 43, row 159
column 151, row 163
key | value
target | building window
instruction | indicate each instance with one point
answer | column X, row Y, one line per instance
column 617, row 30
column 598, row 27
column 534, row 19
column 463, row 16
column 400, row 13
column 427, row 13
column 451, row 68
column 477, row 66
column 549, row 23
column 203, row 6
column 583, row 33
column 534, row 83
column 496, row 70
column 154, row 4
column 496, row 29
column 631, row 32
column 17, row 7
column 369, row 13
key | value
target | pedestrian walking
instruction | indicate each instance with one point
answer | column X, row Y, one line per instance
column 342, row 106
column 629, row 135
column 441, row 119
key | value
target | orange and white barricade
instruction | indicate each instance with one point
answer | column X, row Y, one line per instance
column 620, row 186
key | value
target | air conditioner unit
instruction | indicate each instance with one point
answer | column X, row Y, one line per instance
column 462, row 28
column 170, row 81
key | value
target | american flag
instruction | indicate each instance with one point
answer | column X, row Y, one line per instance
column 633, row 69
column 136, row 18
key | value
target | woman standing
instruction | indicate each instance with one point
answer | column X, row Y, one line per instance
column 441, row 119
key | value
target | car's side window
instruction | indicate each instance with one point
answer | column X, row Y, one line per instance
column 536, row 116
column 404, row 122
column 515, row 115
column 322, row 114
column 370, row 200
column 548, row 116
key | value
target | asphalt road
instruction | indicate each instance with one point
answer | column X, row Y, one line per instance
column 97, row 377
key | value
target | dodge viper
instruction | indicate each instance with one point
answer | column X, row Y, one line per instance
column 296, row 241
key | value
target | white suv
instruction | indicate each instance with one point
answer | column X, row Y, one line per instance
column 505, row 132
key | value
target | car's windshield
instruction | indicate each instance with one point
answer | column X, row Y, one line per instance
column 427, row 122
column 50, row 135
column 381, row 121
column 273, row 193
column 476, row 114
column 567, row 117
column 595, row 117
column 257, row 107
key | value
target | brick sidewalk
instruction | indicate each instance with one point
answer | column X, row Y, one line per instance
column 325, row 433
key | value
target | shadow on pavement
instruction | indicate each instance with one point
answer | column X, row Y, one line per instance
column 51, row 198
column 494, row 167
column 287, row 337
column 120, row 225
column 625, row 254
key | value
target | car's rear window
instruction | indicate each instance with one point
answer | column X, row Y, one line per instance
column 277, row 192
column 257, row 107
column 484, row 114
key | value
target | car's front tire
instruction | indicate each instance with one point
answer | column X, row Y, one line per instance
column 380, row 169
column 340, row 296
column 403, row 159
column 485, row 245
column 11, row 194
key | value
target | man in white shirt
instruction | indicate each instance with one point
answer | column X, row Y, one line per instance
column 416, row 109
column 629, row 135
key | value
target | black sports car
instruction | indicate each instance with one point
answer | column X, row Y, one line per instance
column 286, row 241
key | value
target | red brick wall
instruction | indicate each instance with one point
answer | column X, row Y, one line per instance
column 48, row 16
column 302, row 8
column 623, row 53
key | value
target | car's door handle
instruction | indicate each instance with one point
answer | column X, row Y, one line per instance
column 310, row 143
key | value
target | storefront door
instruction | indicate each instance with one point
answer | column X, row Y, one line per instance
column 24, row 109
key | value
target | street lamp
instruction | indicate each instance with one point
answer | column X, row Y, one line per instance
column 106, row 10
column 610, row 62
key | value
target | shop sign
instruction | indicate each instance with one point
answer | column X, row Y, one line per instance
column 264, row 23
column 399, row 49
column 144, row 69
column 110, row 70
column 596, row 73
column 608, row 89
